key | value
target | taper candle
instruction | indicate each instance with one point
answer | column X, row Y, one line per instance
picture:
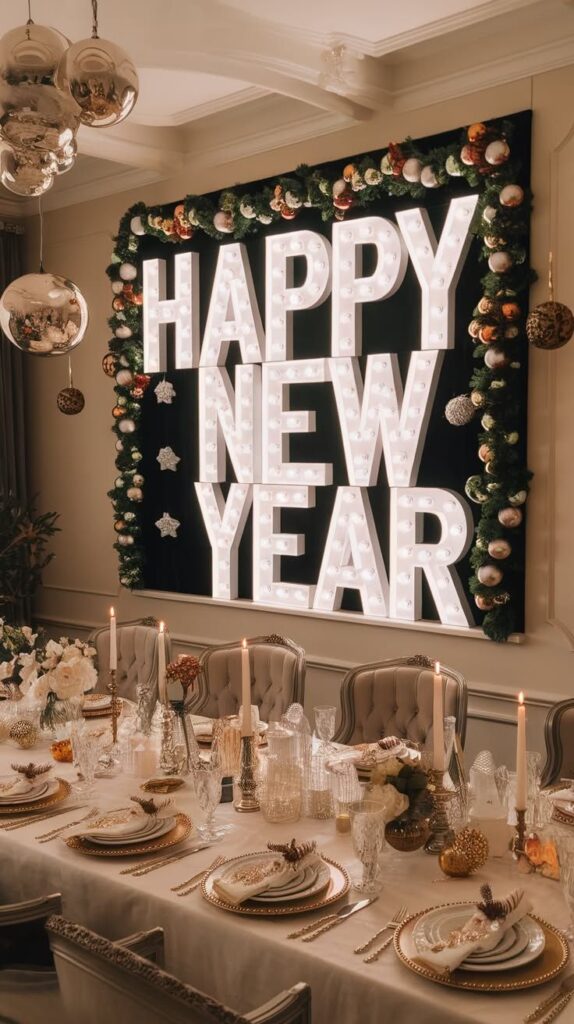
column 521, row 799
column 246, row 726
column 438, row 720
column 113, row 642
column 161, row 684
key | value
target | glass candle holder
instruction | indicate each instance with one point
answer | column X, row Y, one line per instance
column 280, row 792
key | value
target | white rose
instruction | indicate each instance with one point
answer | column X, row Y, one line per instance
column 53, row 649
column 86, row 673
column 6, row 669
column 70, row 653
column 28, row 667
column 393, row 802
column 65, row 681
column 30, row 636
column 39, row 686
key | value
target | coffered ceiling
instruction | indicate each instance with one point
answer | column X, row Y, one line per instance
column 329, row 62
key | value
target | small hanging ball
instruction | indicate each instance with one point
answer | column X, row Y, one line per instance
column 70, row 401
column 429, row 178
column 489, row 213
column 476, row 131
column 487, row 422
column 489, row 575
column 138, row 479
column 109, row 364
column 486, row 306
column 118, row 411
column 453, row 166
column 550, row 325
column 488, row 333
column 511, row 195
column 510, row 517
column 119, row 525
column 474, row 328
column 137, row 226
column 484, row 453
column 125, row 539
column 123, row 332
column 510, row 310
column 128, row 272
column 101, row 79
column 459, row 411
column 499, row 549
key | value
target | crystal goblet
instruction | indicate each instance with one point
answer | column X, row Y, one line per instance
column 368, row 834
column 325, row 718
column 207, row 785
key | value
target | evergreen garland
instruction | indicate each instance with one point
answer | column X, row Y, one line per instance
column 497, row 325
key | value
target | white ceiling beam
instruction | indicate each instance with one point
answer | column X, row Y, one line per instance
column 149, row 149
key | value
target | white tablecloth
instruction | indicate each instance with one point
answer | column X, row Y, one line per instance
column 244, row 961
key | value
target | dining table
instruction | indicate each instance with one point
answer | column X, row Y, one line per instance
column 245, row 960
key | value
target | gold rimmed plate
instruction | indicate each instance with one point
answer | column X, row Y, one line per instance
column 562, row 816
column 180, row 831
column 337, row 887
column 100, row 712
column 550, row 962
column 55, row 796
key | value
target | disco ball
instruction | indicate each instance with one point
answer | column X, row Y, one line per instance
column 26, row 174
column 30, row 54
column 101, row 79
column 43, row 314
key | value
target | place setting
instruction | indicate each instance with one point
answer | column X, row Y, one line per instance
column 144, row 827
column 29, row 790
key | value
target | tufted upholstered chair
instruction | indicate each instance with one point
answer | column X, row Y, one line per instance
column 28, row 982
column 100, row 980
column 559, row 739
column 137, row 658
column 277, row 678
column 395, row 698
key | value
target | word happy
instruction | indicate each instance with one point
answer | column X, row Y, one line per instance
column 378, row 418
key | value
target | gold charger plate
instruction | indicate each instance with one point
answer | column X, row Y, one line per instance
column 105, row 712
column 537, row 972
column 337, row 887
column 563, row 817
column 180, row 831
column 56, row 797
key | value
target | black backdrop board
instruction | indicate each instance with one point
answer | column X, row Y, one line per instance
column 183, row 564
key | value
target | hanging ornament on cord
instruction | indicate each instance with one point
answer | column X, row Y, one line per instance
column 43, row 314
column 100, row 77
column 551, row 324
column 70, row 400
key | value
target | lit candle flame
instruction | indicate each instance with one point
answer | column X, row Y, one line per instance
column 244, row 642
column 521, row 697
column 437, row 668
column 162, row 627
column 112, row 613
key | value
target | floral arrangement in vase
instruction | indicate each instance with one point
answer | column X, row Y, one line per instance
column 403, row 786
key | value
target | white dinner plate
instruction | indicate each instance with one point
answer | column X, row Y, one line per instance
column 520, row 938
column 437, row 925
column 96, row 701
column 297, row 886
column 152, row 831
column 316, row 879
column 507, row 940
column 39, row 790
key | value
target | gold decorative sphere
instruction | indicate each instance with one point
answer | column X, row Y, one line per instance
column 550, row 325
column 101, row 79
column 24, row 733
column 26, row 173
column 472, row 844
column 453, row 863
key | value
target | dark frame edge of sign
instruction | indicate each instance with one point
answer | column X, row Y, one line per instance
column 483, row 158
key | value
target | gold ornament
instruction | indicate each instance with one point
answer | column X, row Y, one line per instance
column 551, row 324
column 24, row 733
column 70, row 401
column 472, row 844
column 453, row 863
column 109, row 364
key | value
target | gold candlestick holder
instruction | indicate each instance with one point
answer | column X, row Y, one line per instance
column 518, row 850
column 113, row 689
column 109, row 763
column 169, row 762
column 441, row 834
column 247, row 783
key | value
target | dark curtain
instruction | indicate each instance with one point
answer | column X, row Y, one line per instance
column 12, row 449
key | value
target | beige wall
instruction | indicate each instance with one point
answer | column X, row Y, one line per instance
column 72, row 459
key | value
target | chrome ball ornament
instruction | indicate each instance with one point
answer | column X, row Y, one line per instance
column 43, row 314
column 102, row 80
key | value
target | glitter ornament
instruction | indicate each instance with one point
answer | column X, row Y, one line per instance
column 550, row 325
column 70, row 401
column 109, row 364
column 459, row 411
column 24, row 733
column 478, row 399
column 453, row 863
column 473, row 844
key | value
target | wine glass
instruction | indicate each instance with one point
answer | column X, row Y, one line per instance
column 565, row 847
column 207, row 785
column 325, row 718
column 368, row 834
column 86, row 749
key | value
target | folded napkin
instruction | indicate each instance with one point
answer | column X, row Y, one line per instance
column 248, row 880
column 481, row 932
column 127, row 822
column 563, row 797
column 17, row 785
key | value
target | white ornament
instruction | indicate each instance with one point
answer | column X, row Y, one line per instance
column 428, row 177
column 223, row 222
column 270, row 545
column 128, row 272
column 182, row 310
column 247, row 211
column 136, row 226
column 167, row 525
column 497, row 152
column 438, row 267
column 282, row 299
column 117, row 287
column 350, row 288
column 410, row 556
column 412, row 169
column 224, row 521
column 164, row 392
column 123, row 331
column 167, row 459
column 352, row 557
column 500, row 262
column 126, row 426
column 278, row 421
column 233, row 313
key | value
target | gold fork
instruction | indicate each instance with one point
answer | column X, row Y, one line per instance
column 46, row 837
column 191, row 884
column 391, row 925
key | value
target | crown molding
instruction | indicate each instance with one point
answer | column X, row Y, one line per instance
column 110, row 184
column 207, row 109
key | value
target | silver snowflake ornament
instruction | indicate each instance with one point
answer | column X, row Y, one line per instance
column 167, row 525
column 164, row 392
column 167, row 459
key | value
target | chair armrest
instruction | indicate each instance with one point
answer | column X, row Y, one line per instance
column 149, row 945
column 293, row 1006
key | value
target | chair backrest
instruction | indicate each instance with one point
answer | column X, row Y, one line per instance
column 559, row 739
column 277, row 677
column 395, row 698
column 137, row 646
column 102, row 980
column 23, row 938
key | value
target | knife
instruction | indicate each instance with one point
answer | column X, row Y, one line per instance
column 565, row 989
column 144, row 868
column 330, row 920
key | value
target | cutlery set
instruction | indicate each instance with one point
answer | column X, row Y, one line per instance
column 193, row 883
column 391, row 925
column 144, row 867
column 32, row 819
column 555, row 1003
column 310, row 932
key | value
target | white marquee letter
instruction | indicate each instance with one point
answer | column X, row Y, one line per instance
column 278, row 422
column 229, row 419
column 379, row 418
column 438, row 269
column 409, row 556
column 352, row 556
column 269, row 545
column 350, row 288
column 224, row 522
column 282, row 299
column 233, row 313
column 183, row 311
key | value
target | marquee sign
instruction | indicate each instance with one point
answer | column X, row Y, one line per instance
column 281, row 384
